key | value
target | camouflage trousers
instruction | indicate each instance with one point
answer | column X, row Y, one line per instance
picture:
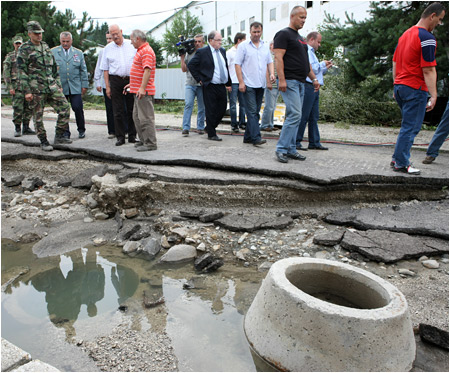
column 21, row 110
column 57, row 101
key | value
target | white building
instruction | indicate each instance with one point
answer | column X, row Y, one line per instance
column 230, row 17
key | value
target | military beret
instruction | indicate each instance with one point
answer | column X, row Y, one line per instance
column 35, row 27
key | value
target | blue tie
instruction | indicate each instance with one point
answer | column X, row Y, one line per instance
column 223, row 77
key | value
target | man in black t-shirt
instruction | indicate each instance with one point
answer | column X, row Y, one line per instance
column 291, row 60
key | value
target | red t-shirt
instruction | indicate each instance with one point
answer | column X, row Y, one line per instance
column 416, row 49
column 145, row 57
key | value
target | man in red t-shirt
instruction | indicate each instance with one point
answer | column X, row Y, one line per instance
column 142, row 86
column 414, row 72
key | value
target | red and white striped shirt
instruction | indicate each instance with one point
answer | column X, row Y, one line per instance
column 144, row 58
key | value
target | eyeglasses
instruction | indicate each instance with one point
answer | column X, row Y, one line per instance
column 219, row 40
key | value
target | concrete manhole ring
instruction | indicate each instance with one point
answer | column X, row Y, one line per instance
column 320, row 315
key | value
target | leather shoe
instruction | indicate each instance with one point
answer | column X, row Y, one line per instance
column 248, row 142
column 260, row 142
column 296, row 156
column 317, row 147
column 215, row 138
column 299, row 147
column 120, row 142
column 281, row 157
column 131, row 139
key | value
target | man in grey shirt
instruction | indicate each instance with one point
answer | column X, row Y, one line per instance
column 192, row 89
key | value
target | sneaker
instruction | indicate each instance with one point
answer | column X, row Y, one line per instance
column 392, row 164
column 62, row 140
column 146, row 148
column 82, row 135
column 428, row 159
column 138, row 143
column 281, row 157
column 296, row 156
column 407, row 170
column 46, row 146
column 185, row 133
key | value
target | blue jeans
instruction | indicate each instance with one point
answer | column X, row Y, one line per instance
column 234, row 96
column 310, row 115
column 270, row 103
column 293, row 98
column 189, row 96
column 412, row 104
column 439, row 136
column 253, row 100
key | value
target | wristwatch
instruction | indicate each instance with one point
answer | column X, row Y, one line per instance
column 315, row 80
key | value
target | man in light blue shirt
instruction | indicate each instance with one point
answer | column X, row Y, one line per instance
column 310, row 110
column 253, row 59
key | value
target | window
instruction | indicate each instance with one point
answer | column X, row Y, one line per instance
column 222, row 32
column 228, row 30
column 273, row 14
column 243, row 25
column 251, row 20
column 309, row 4
column 285, row 10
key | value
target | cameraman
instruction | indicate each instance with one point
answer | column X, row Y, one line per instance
column 192, row 89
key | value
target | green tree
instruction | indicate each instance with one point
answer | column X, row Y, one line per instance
column 158, row 49
column 370, row 44
column 184, row 23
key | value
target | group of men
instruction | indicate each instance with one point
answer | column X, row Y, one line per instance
column 37, row 75
column 247, row 72
column 125, row 72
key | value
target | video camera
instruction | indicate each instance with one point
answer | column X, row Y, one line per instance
column 188, row 46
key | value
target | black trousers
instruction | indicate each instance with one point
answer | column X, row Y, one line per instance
column 121, row 117
column 215, row 99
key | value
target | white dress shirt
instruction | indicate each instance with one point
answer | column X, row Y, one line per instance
column 253, row 62
column 117, row 60
column 216, row 77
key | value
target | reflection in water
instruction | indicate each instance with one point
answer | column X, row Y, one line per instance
column 67, row 290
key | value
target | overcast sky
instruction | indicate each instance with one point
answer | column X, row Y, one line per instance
column 121, row 12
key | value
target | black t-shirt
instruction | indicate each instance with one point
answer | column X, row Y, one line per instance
column 296, row 61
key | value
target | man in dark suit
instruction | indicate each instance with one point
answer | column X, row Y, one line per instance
column 209, row 67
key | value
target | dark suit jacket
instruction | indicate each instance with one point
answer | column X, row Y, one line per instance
column 201, row 66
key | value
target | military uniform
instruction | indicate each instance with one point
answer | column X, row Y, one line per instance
column 74, row 77
column 38, row 75
column 21, row 109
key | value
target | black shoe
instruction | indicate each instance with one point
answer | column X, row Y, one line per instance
column 242, row 126
column 281, row 157
column 185, row 133
column 296, row 156
column 120, row 142
column 299, row 147
column 200, row 132
column 248, row 142
column 131, row 139
column 215, row 138
column 320, row 147
column 260, row 142
column 235, row 129
column 82, row 135
column 17, row 132
column 62, row 140
column 27, row 130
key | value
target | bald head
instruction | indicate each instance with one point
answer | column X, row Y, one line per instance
column 116, row 34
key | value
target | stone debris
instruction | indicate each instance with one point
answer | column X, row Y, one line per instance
column 179, row 253
column 208, row 263
column 434, row 335
column 431, row 264
column 251, row 223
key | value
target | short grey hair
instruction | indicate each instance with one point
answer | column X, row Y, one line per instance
column 212, row 34
column 65, row 34
column 139, row 34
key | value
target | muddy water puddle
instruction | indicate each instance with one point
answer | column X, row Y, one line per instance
column 86, row 293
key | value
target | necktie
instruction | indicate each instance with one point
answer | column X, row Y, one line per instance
column 223, row 77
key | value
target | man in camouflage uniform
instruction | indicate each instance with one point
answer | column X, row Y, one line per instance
column 22, row 112
column 38, row 75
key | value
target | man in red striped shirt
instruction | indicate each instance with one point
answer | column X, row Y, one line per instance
column 142, row 86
